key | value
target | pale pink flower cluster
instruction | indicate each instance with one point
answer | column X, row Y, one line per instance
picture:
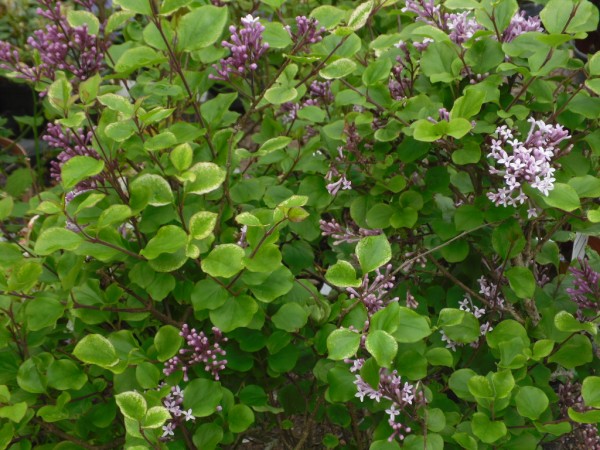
column 528, row 162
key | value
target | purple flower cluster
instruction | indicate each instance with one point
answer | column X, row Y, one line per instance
column 307, row 33
column 246, row 48
column 462, row 26
column 400, row 85
column 72, row 143
column 426, row 10
column 60, row 47
column 584, row 435
column 319, row 92
column 586, row 287
column 199, row 351
column 520, row 24
column 344, row 235
column 373, row 293
column 173, row 402
column 529, row 161
column 402, row 395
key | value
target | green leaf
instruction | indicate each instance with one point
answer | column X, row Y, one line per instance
column 132, row 405
column 338, row 69
column 208, row 436
column 6, row 207
column 459, row 381
column 574, row 352
column 81, row 18
column 114, row 214
column 328, row 16
column 382, row 346
column 468, row 105
column 342, row 274
column 78, row 169
column 437, row 62
column 373, row 252
column 592, row 416
column 118, row 103
column 53, row 239
column 470, row 153
column 377, row 71
column 167, row 342
column 563, row 197
column 531, row 402
column 201, row 27
column 460, row 326
column 467, row 217
column 170, row 6
column 342, row 344
column 96, row 349
column 484, row 55
column 202, row 396
column 137, row 58
column 590, row 390
column 136, row 6
column 64, row 374
column 487, row 430
column 168, row 239
column 276, row 35
column 156, row 417
column 521, row 281
column 273, row 144
column 290, row 317
column 240, row 417
column 277, row 95
column 412, row 327
column 147, row 375
column 43, row 311
column 360, row 15
column 150, row 189
column 224, row 260
column 30, row 378
column 202, row 224
column 587, row 186
column 236, row 312
column 206, row 178
column 557, row 16
column 59, row 94
column 14, row 412
column 120, row 131
column 163, row 140
column 566, row 322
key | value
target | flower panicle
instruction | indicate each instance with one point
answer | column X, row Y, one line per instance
column 198, row 350
column 246, row 46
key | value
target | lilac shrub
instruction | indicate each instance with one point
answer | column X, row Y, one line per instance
column 294, row 225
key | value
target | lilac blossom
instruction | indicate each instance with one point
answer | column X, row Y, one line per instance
column 307, row 33
column 583, row 435
column 59, row 46
column 390, row 387
column 399, row 85
column 372, row 293
column 246, row 48
column 173, row 402
column 341, row 183
column 72, row 143
column 199, row 351
column 520, row 24
column 462, row 27
column 426, row 10
column 344, row 235
column 321, row 90
column 586, row 287
column 529, row 161
column 422, row 46
column 490, row 291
